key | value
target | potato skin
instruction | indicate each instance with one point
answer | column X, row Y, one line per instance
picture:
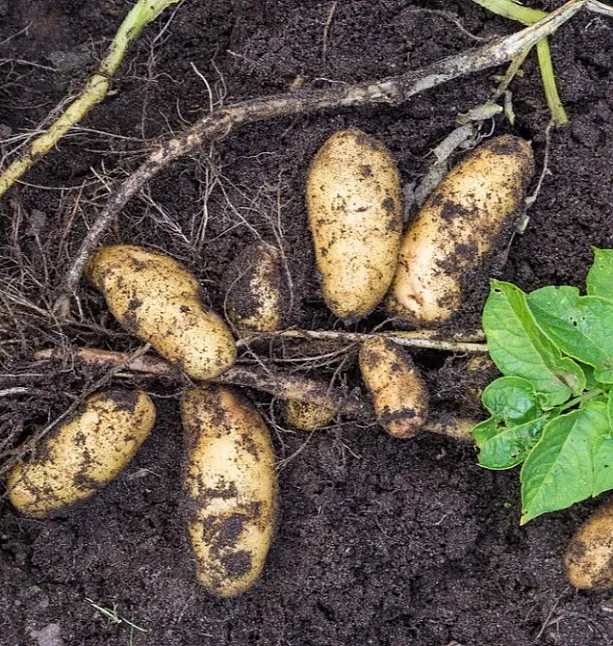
column 355, row 215
column 155, row 298
column 256, row 290
column 478, row 201
column 306, row 416
column 589, row 557
column 232, row 486
column 398, row 392
column 84, row 454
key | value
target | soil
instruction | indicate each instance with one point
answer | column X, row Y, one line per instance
column 380, row 541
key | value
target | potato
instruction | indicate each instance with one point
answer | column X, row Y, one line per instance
column 473, row 210
column 155, row 298
column 589, row 557
column 306, row 416
column 232, row 485
column 398, row 392
column 256, row 290
column 84, row 454
column 355, row 215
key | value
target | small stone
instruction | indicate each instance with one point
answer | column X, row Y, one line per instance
column 48, row 636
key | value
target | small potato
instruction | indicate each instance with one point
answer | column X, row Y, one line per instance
column 398, row 392
column 84, row 454
column 306, row 416
column 355, row 214
column 256, row 290
column 589, row 557
column 155, row 298
column 232, row 485
column 474, row 209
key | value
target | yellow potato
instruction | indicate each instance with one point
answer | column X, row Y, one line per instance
column 256, row 291
column 83, row 454
column 474, row 209
column 156, row 299
column 589, row 557
column 306, row 416
column 355, row 215
column 232, row 485
column 398, row 392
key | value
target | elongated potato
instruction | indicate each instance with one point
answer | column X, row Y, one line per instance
column 84, row 454
column 155, row 298
column 477, row 203
column 589, row 557
column 355, row 214
column 256, row 290
column 232, row 485
column 398, row 392
column 306, row 416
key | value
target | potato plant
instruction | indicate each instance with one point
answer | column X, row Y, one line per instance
column 552, row 410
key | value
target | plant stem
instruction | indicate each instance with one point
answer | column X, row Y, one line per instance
column 94, row 91
column 514, row 11
column 421, row 339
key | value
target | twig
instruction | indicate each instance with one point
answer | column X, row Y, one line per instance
column 94, row 91
column 391, row 91
column 422, row 339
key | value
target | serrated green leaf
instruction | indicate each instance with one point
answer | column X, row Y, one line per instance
column 562, row 468
column 519, row 348
column 600, row 276
column 579, row 325
column 503, row 446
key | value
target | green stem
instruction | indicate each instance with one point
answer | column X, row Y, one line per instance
column 514, row 11
column 558, row 113
column 590, row 394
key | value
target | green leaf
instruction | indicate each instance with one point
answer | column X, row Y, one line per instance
column 610, row 408
column 506, row 438
column 503, row 446
column 565, row 466
column 579, row 325
column 600, row 276
column 511, row 399
column 519, row 348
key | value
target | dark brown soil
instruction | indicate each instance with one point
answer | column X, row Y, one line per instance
column 380, row 541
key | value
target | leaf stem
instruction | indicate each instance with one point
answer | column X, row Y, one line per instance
column 590, row 394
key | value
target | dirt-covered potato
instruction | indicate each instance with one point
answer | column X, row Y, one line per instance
column 232, row 486
column 157, row 299
column 306, row 416
column 398, row 392
column 474, row 210
column 355, row 215
column 589, row 557
column 84, row 453
column 257, row 296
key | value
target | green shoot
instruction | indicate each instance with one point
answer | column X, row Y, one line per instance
column 552, row 410
column 96, row 88
column 113, row 616
column 516, row 11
